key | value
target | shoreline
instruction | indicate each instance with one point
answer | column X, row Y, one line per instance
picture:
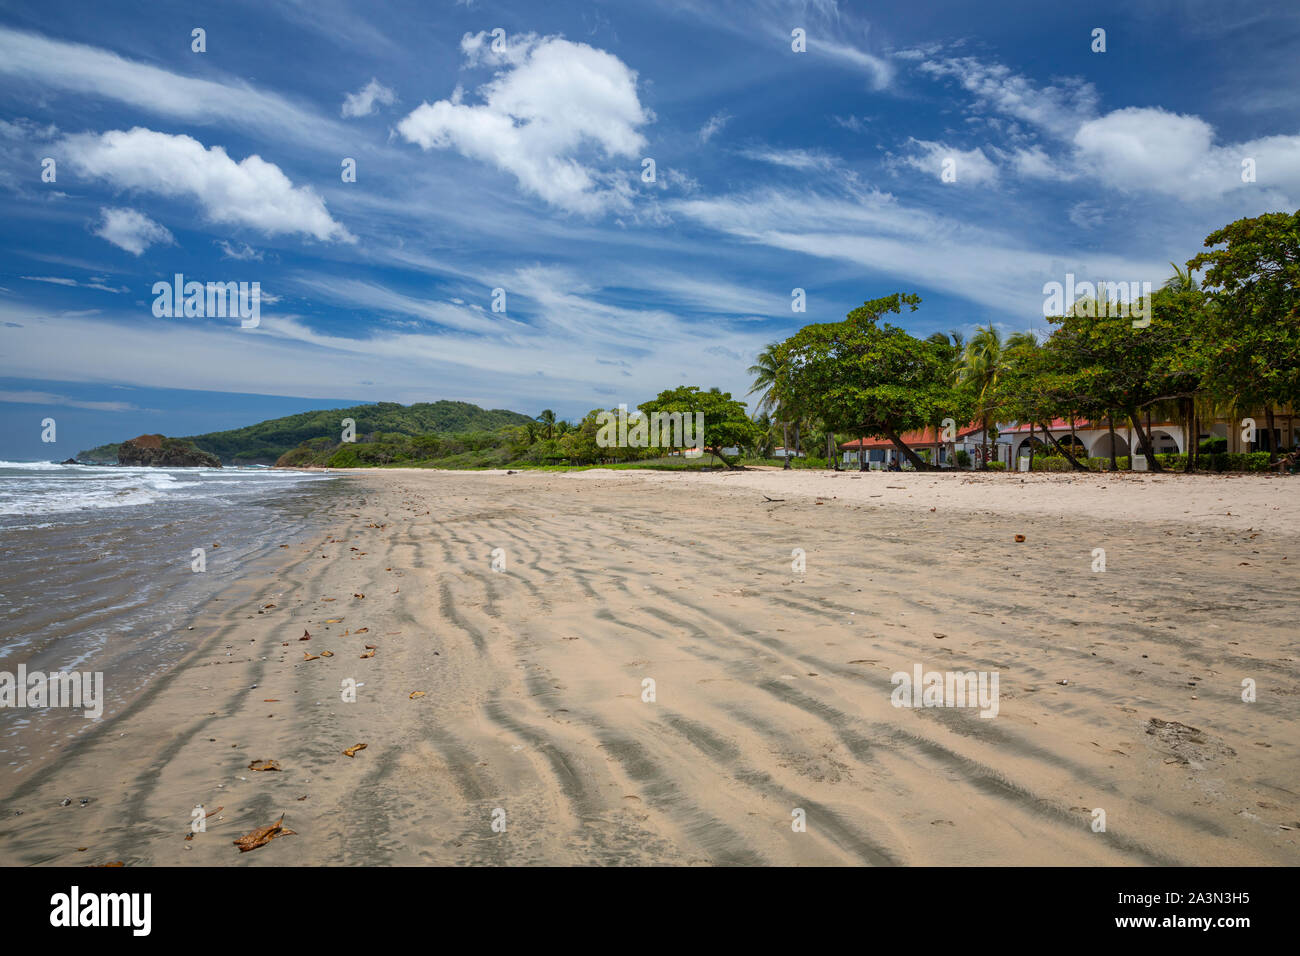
column 773, row 688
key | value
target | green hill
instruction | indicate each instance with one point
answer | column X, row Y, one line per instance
column 265, row 442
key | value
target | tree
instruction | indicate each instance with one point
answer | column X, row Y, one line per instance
column 1254, row 321
column 862, row 378
column 1030, row 389
column 726, row 422
column 1107, row 365
column 978, row 371
column 547, row 418
column 785, row 407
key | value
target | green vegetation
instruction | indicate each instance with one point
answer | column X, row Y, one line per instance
column 266, row 442
column 1196, row 354
column 547, row 442
column 102, row 455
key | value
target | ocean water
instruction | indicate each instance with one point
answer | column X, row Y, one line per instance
column 97, row 574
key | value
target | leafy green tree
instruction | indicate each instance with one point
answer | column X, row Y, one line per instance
column 862, row 378
column 1254, row 322
column 726, row 422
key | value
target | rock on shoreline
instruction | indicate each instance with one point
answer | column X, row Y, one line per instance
column 157, row 451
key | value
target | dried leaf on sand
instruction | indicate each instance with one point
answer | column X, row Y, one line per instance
column 352, row 751
column 264, row 765
column 263, row 835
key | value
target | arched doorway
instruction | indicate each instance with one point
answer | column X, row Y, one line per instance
column 1039, row 446
column 1101, row 447
column 1164, row 443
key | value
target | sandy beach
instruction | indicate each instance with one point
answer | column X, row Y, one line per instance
column 503, row 710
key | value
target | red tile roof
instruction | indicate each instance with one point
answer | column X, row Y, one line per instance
column 1058, row 425
column 1061, row 425
column 917, row 439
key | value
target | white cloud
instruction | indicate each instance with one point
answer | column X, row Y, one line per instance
column 1137, row 150
column 575, row 349
column 362, row 103
column 855, row 124
column 53, row 280
column 131, row 230
column 1057, row 109
column 540, row 118
column 801, row 159
column 714, row 125
column 1034, row 162
column 96, row 282
column 252, row 192
column 970, row 166
column 91, row 71
column 1142, row 149
column 241, row 252
column 905, row 244
column 49, row 398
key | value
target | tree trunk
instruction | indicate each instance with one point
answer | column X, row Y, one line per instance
column 1152, row 464
column 717, row 453
column 1061, row 448
column 862, row 453
column 797, row 447
column 1190, row 440
column 1272, row 438
column 785, row 442
column 1144, row 439
column 1110, row 423
column 1031, row 450
column 913, row 458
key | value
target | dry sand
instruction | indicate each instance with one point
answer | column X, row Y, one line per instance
column 772, row 687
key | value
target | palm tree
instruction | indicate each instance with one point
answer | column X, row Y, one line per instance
column 766, row 371
column 767, row 379
column 547, row 418
column 983, row 360
column 953, row 344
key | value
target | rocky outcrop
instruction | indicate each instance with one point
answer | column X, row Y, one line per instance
column 155, row 451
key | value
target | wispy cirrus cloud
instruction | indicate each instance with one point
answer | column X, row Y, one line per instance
column 50, row 398
column 84, row 70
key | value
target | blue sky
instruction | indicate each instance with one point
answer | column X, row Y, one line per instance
column 518, row 165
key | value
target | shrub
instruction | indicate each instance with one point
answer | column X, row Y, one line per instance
column 1051, row 463
column 963, row 458
column 997, row 466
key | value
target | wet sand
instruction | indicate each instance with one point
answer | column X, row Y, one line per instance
column 1119, row 690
